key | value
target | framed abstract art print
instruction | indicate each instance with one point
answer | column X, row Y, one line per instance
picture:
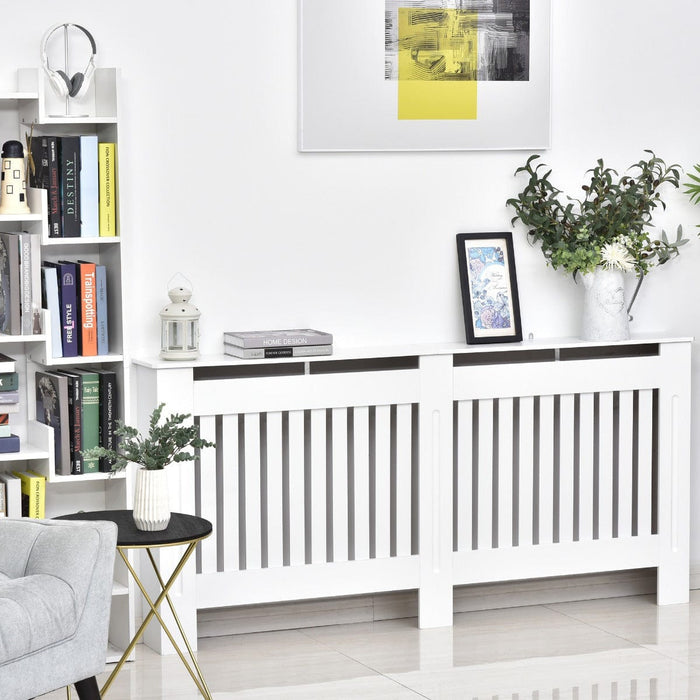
column 489, row 287
column 393, row 75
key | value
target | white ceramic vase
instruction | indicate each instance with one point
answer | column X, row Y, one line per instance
column 151, row 506
column 605, row 315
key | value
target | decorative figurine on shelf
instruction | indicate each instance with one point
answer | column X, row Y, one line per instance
column 179, row 326
column 13, row 195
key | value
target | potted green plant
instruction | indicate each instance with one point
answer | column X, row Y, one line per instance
column 601, row 235
column 167, row 442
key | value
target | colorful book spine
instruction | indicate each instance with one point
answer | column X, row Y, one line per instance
column 33, row 486
column 39, row 176
column 68, row 299
column 54, row 194
column 109, row 407
column 13, row 494
column 9, row 444
column 51, row 301
column 107, row 170
column 90, row 417
column 89, row 187
column 75, row 413
column 69, row 161
column 88, row 308
column 102, row 309
column 9, row 381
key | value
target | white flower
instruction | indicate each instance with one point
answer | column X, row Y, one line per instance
column 616, row 256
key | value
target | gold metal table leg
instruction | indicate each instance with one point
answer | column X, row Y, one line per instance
column 197, row 677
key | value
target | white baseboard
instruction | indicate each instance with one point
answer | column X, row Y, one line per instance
column 386, row 606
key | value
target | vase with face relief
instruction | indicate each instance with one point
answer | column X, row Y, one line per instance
column 151, row 504
column 605, row 315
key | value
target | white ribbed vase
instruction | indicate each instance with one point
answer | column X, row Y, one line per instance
column 151, row 506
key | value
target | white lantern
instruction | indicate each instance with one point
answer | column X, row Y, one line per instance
column 179, row 322
column 14, row 180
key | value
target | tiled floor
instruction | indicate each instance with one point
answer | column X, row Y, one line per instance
column 612, row 649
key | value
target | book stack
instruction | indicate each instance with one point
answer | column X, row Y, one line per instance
column 9, row 403
column 79, row 175
column 295, row 342
column 20, row 283
column 81, row 405
column 75, row 293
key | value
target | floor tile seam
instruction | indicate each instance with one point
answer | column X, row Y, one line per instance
column 375, row 671
column 691, row 666
column 595, row 627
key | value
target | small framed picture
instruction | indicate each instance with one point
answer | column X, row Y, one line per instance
column 489, row 287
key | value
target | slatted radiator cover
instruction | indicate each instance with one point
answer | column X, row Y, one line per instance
column 428, row 470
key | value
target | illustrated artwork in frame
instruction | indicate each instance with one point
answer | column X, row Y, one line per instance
column 489, row 287
column 426, row 75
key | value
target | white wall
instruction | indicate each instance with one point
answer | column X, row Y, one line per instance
column 350, row 242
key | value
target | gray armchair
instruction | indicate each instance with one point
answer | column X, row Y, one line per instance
column 55, row 592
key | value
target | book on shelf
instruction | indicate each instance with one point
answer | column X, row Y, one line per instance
column 10, row 284
column 75, row 420
column 52, row 410
column 9, row 444
column 89, row 187
column 87, row 308
column 109, row 406
column 30, row 276
column 278, row 338
column 267, row 353
column 54, row 193
column 33, row 487
column 89, row 416
column 102, row 309
column 9, row 381
column 39, row 175
column 13, row 495
column 69, row 179
column 3, row 500
column 5, row 429
column 107, row 170
column 68, row 300
column 7, row 363
column 50, row 299
column 8, row 397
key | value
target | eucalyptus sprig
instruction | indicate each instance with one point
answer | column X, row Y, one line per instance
column 166, row 442
column 614, row 210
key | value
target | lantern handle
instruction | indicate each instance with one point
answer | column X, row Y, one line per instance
column 187, row 285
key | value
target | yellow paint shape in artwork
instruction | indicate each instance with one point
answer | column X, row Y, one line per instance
column 437, row 64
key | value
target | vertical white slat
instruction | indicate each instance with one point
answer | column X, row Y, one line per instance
column 340, row 483
column 464, row 476
column 525, row 470
column 644, row 471
column 253, row 534
column 566, row 468
column 318, row 487
column 229, row 489
column 624, row 460
column 605, row 473
column 297, row 511
column 382, row 482
column 586, row 461
column 361, row 452
column 209, row 496
column 485, row 462
column 505, row 472
column 275, row 524
column 404, row 437
column 546, row 491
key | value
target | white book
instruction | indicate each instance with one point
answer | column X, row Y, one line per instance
column 49, row 281
column 89, row 187
column 271, row 353
column 13, row 495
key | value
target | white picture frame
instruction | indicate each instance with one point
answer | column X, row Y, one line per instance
column 347, row 103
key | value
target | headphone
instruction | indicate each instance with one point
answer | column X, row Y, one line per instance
column 63, row 85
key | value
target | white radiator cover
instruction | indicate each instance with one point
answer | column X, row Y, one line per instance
column 426, row 468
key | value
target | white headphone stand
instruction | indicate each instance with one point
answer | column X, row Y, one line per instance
column 68, row 101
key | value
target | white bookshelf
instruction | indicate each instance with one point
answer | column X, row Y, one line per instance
column 36, row 107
